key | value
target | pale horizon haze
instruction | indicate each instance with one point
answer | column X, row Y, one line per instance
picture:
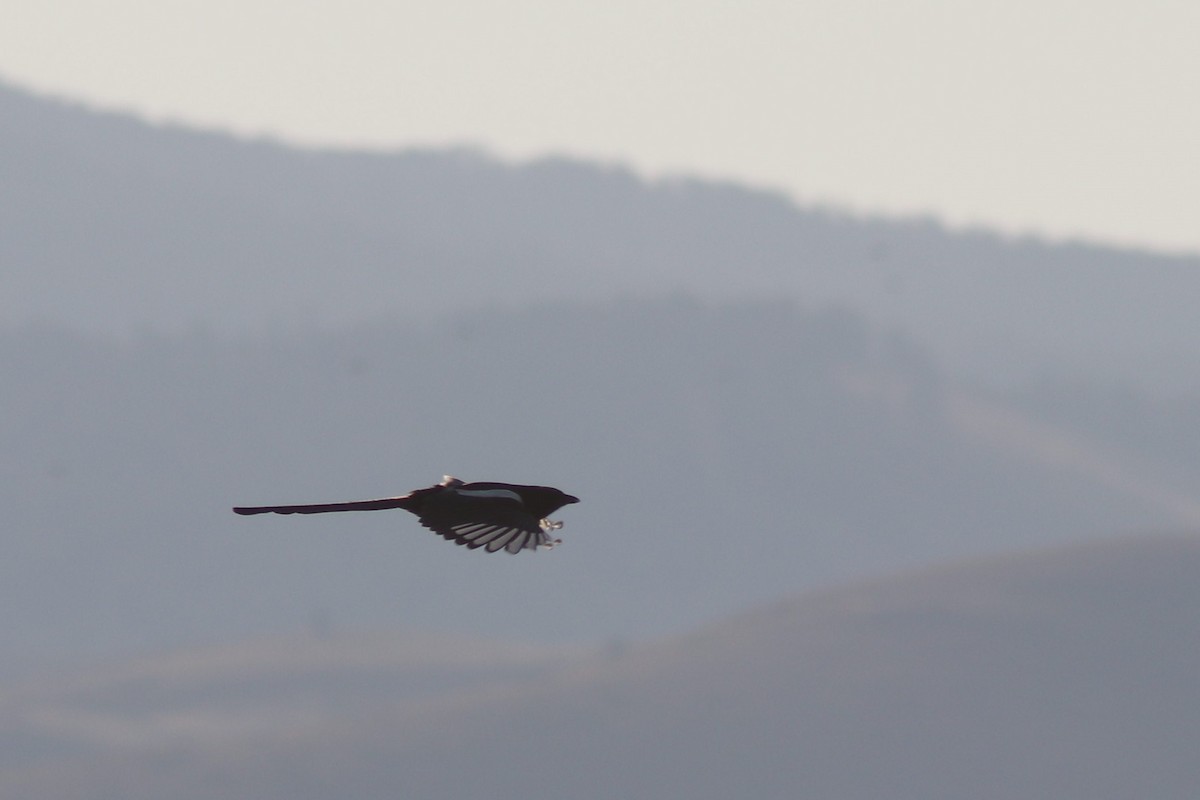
column 1053, row 118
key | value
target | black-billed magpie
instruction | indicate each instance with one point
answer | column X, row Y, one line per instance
column 495, row 516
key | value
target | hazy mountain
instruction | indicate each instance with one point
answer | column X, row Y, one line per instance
column 726, row 455
column 752, row 398
column 513, row 323
column 1066, row 674
column 114, row 225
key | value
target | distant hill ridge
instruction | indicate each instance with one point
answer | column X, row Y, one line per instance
column 114, row 225
column 1067, row 673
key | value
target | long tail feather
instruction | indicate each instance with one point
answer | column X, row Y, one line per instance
column 325, row 508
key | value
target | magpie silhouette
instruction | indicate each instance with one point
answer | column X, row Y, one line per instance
column 494, row 516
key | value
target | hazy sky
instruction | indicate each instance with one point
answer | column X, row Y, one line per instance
column 1056, row 116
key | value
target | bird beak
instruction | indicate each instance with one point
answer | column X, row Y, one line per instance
column 572, row 499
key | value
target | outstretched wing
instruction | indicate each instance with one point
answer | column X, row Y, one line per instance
column 325, row 508
column 493, row 523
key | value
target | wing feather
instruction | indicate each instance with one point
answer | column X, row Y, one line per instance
column 489, row 520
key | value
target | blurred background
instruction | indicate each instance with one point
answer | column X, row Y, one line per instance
column 866, row 336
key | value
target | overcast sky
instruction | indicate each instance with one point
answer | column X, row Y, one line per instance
column 1060, row 117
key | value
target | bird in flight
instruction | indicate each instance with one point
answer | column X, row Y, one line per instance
column 494, row 516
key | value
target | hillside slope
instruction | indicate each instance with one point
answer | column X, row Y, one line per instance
column 1067, row 674
column 726, row 455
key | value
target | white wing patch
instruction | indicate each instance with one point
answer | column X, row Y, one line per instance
column 494, row 538
column 507, row 494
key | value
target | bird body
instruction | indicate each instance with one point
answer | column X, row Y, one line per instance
column 495, row 516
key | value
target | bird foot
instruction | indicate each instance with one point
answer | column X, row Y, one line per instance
column 547, row 526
